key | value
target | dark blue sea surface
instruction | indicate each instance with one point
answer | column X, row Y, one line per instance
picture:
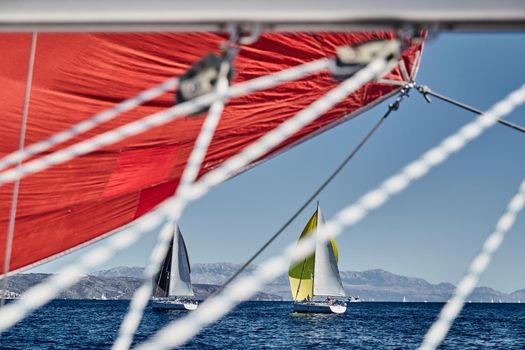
column 271, row 325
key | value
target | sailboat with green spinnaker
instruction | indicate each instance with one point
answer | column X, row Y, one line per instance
column 315, row 281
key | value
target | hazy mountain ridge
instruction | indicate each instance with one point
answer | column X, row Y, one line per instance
column 121, row 271
column 373, row 285
column 377, row 284
column 112, row 288
column 519, row 294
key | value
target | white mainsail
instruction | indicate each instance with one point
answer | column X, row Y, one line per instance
column 180, row 281
column 327, row 281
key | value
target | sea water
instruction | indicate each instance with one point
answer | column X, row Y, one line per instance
column 70, row 324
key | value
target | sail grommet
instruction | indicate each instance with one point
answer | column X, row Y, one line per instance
column 201, row 79
column 350, row 59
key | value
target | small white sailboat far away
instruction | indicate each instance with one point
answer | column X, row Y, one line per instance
column 172, row 287
column 315, row 281
column 354, row 299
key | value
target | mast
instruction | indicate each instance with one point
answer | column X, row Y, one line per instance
column 316, row 236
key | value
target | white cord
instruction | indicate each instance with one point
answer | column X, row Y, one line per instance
column 39, row 295
column 171, row 209
column 86, row 125
column 142, row 295
column 16, row 186
column 158, row 119
column 439, row 329
column 179, row 332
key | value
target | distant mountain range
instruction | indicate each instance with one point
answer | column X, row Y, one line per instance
column 115, row 286
column 371, row 285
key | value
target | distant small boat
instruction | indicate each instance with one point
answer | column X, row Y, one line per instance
column 404, row 299
column 317, row 275
column 103, row 297
column 352, row 299
column 172, row 289
column 492, row 300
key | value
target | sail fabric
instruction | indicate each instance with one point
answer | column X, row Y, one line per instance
column 180, row 281
column 77, row 75
column 301, row 273
column 161, row 282
column 327, row 281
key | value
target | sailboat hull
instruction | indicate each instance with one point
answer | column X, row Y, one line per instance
column 173, row 305
column 318, row 308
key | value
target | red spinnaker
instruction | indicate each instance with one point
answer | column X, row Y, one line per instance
column 79, row 75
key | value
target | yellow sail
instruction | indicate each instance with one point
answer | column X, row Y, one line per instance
column 336, row 252
column 301, row 273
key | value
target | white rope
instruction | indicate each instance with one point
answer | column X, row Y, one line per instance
column 439, row 330
column 16, row 186
column 158, row 119
column 42, row 293
column 86, row 125
column 179, row 332
column 142, row 295
column 191, row 171
column 170, row 210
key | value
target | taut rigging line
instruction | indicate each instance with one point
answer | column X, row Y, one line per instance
column 426, row 92
column 394, row 106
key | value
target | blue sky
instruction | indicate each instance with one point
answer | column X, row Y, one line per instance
column 433, row 229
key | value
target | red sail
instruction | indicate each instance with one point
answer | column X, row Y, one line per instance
column 79, row 75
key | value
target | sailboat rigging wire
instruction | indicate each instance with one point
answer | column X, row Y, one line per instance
column 180, row 331
column 86, row 125
column 160, row 118
column 170, row 210
column 190, row 174
column 392, row 107
column 141, row 297
column 425, row 90
column 439, row 329
column 16, row 185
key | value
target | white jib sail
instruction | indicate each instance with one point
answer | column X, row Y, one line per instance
column 327, row 281
column 180, row 282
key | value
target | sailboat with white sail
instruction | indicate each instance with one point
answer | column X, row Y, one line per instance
column 315, row 282
column 172, row 287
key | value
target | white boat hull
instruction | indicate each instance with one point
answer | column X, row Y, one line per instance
column 173, row 305
column 319, row 308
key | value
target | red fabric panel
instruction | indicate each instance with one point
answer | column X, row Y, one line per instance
column 79, row 75
column 140, row 168
column 151, row 197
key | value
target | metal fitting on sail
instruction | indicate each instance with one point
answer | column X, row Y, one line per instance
column 200, row 79
column 425, row 90
column 351, row 59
